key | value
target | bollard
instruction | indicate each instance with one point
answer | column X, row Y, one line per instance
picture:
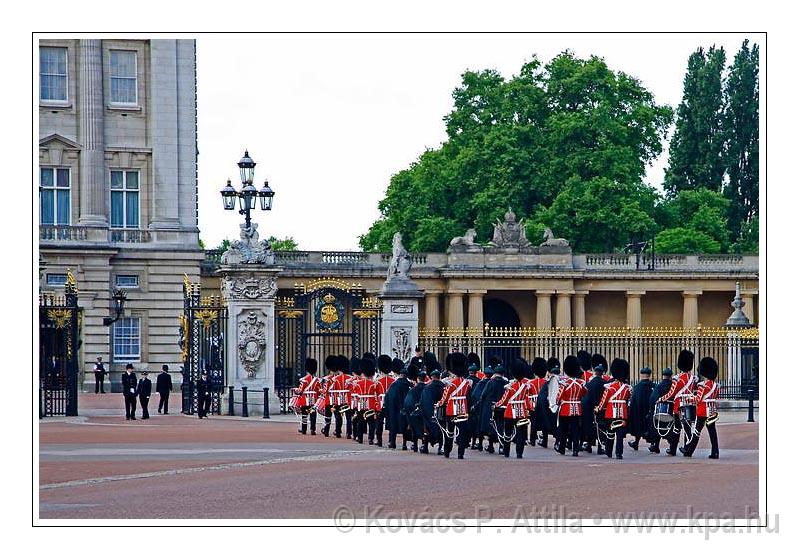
column 266, row 402
column 230, row 400
column 751, row 395
column 244, row 402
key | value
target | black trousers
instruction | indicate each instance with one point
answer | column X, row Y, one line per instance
column 568, row 426
column 305, row 412
column 203, row 405
column 379, row 422
column 130, row 406
column 432, row 432
column 349, row 418
column 163, row 402
column 463, row 438
column 702, row 422
column 363, row 425
column 326, row 428
column 143, row 401
column 674, row 436
column 520, row 436
column 416, row 428
column 98, row 382
column 613, row 439
column 337, row 421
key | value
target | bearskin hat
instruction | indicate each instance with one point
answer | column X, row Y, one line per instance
column 344, row 364
column 599, row 360
column 572, row 367
column 458, row 363
column 518, row 368
column 585, row 360
column 417, row 361
column 539, row 367
column 367, row 367
column 494, row 361
column 553, row 362
column 384, row 363
column 311, row 366
column 620, row 370
column 355, row 365
column 474, row 360
column 685, row 360
column 412, row 372
column 397, row 365
column 331, row 363
column 708, row 368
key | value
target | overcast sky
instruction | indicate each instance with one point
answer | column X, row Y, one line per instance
column 330, row 118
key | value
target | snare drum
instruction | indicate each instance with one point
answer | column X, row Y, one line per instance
column 293, row 404
column 689, row 413
column 663, row 412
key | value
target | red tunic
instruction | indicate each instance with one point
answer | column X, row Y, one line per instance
column 480, row 375
column 365, row 395
column 587, row 376
column 706, row 393
column 339, row 390
column 306, row 392
column 534, row 387
column 681, row 391
column 382, row 384
column 455, row 396
column 515, row 399
column 569, row 396
column 615, row 400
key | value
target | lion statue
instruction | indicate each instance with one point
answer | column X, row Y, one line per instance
column 551, row 240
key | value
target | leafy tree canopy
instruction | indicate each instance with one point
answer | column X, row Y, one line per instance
column 278, row 244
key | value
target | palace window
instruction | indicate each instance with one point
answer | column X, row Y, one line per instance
column 53, row 74
column 127, row 281
column 124, row 199
column 126, row 340
column 54, row 196
column 56, row 279
column 123, row 77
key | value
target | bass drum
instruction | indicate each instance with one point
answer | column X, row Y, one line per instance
column 663, row 413
column 689, row 413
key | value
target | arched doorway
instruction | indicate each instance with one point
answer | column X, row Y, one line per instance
column 500, row 313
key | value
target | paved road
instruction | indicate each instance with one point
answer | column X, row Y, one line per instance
column 177, row 467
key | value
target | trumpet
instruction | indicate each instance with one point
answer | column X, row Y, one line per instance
column 369, row 413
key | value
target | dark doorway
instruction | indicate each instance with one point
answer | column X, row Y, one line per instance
column 499, row 313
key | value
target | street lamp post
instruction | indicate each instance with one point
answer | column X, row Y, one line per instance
column 248, row 194
column 119, row 297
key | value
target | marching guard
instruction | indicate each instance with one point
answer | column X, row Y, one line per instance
column 681, row 395
column 305, row 397
column 383, row 380
column 594, row 392
column 412, row 408
column 431, row 394
column 366, row 403
column 322, row 404
column 571, row 389
column 640, row 404
column 706, row 395
column 661, row 389
column 455, row 403
column 538, row 373
column 614, row 408
column 338, row 393
column 514, row 408
column 393, row 403
column 492, row 392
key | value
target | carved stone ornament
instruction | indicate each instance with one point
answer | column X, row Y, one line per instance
column 401, row 260
column 248, row 249
column 251, row 341
column 249, row 288
column 401, row 343
column 510, row 234
column 551, row 240
column 465, row 243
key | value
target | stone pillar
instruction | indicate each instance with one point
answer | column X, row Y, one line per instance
column 634, row 315
column 563, row 309
column 690, row 317
column 749, row 309
column 475, row 309
column 455, row 310
column 432, row 321
column 579, row 309
column 249, row 290
column 90, row 134
column 544, row 319
column 400, row 321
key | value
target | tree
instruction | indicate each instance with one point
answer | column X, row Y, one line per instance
column 685, row 240
column 741, row 142
column 694, row 221
column 278, row 244
column 516, row 143
column 696, row 148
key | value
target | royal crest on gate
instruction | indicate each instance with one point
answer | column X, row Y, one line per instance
column 329, row 313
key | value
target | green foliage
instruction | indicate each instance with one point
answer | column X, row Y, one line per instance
column 699, row 211
column 748, row 239
column 696, row 149
column 685, row 240
column 201, row 244
column 282, row 244
column 572, row 125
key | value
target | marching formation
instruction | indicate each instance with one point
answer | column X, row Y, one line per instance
column 583, row 403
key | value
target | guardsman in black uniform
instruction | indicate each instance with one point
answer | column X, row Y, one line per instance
column 640, row 404
column 476, row 407
column 203, row 396
column 493, row 392
column 129, row 392
column 393, row 403
column 594, row 392
column 412, row 409
column 163, row 388
column 143, row 389
column 660, row 389
column 431, row 394
column 473, row 368
column 99, row 376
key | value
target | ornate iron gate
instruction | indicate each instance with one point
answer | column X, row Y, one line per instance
column 59, row 342
column 202, row 340
column 326, row 316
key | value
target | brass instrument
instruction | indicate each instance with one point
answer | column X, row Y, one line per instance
column 461, row 418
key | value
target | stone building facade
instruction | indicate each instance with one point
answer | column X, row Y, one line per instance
column 118, row 189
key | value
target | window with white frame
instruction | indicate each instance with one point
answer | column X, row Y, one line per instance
column 53, row 74
column 54, row 196
column 56, row 279
column 127, row 281
column 124, row 198
column 126, row 337
column 123, row 77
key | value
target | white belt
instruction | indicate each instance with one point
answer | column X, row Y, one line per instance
column 516, row 402
column 572, row 402
column 617, row 401
column 360, row 396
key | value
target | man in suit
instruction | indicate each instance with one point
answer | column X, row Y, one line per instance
column 640, row 404
column 203, row 396
column 163, row 388
column 99, row 376
column 129, row 384
column 143, row 389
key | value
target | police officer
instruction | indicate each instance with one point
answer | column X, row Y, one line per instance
column 163, row 388
column 143, row 389
column 129, row 392
column 203, row 396
column 99, row 376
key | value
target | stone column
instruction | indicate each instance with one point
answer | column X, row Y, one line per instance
column 455, row 310
column 544, row 319
column 432, row 321
column 690, row 317
column 579, row 309
column 634, row 315
column 475, row 309
column 563, row 309
column 90, row 134
column 249, row 290
column 749, row 309
column 400, row 321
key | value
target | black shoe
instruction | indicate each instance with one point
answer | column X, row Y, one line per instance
column 325, row 433
column 379, row 443
column 600, row 450
column 446, row 454
column 519, row 455
column 618, row 456
column 392, row 445
column 714, row 456
column 424, row 448
column 313, row 432
column 404, row 447
column 506, row 453
column 414, row 447
column 474, row 446
column 634, row 446
column 461, row 455
column 574, row 452
column 586, row 447
column 490, row 449
column 371, row 442
column 439, row 451
column 653, row 449
column 301, row 431
column 542, row 443
column 685, row 452
column 670, row 452
column 338, row 436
